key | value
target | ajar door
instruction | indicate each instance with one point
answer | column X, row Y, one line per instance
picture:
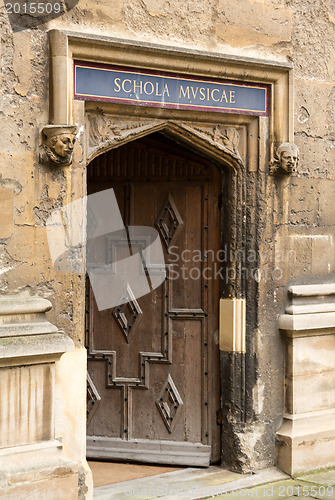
column 153, row 367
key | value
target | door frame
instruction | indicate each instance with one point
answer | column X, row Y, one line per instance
column 260, row 136
column 128, row 447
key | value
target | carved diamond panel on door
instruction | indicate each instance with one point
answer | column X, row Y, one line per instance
column 127, row 315
column 169, row 403
column 154, row 360
column 93, row 398
column 169, row 222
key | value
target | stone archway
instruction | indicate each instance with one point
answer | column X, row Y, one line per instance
column 153, row 360
column 219, row 144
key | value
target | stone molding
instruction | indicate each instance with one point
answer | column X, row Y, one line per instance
column 307, row 299
column 107, row 132
column 25, row 330
column 66, row 46
column 311, row 308
column 13, row 305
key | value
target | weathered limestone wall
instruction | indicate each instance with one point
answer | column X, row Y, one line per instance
column 297, row 211
column 302, row 233
column 28, row 193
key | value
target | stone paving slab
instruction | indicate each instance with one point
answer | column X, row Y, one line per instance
column 214, row 482
column 283, row 490
column 324, row 478
column 161, row 485
column 275, row 491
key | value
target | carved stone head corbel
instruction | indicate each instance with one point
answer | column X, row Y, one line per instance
column 58, row 143
column 286, row 160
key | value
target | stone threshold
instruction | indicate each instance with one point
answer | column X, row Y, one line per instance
column 186, row 484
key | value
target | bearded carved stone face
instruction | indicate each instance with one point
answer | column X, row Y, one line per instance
column 288, row 158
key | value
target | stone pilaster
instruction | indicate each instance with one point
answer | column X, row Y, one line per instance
column 32, row 461
column 306, row 439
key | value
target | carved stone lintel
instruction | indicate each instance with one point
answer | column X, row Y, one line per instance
column 228, row 137
column 102, row 129
column 107, row 131
column 286, row 159
column 58, row 143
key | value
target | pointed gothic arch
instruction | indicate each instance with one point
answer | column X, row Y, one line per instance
column 217, row 143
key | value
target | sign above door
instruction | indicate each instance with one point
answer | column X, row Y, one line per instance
column 98, row 82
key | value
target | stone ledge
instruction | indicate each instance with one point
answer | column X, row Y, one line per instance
column 24, row 316
column 310, row 299
column 301, row 455
column 307, row 427
column 312, row 290
column 35, row 345
column 30, row 448
column 13, row 305
column 29, row 328
column 324, row 323
column 311, row 307
column 25, row 330
column 25, row 469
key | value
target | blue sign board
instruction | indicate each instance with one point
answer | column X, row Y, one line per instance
column 168, row 90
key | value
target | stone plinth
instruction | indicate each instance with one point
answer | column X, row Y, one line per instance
column 306, row 439
column 32, row 461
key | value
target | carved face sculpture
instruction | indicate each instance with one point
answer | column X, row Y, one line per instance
column 63, row 145
column 288, row 156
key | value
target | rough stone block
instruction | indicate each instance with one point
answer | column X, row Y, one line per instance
column 323, row 254
column 6, row 213
column 326, row 203
column 30, row 253
column 304, row 252
column 23, row 185
column 308, row 97
column 303, row 204
column 317, row 157
column 260, row 24
column 22, row 62
column 293, row 251
column 312, row 27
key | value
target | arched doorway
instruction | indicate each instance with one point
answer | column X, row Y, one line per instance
column 153, row 363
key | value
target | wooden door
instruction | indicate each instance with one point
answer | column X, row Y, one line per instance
column 153, row 367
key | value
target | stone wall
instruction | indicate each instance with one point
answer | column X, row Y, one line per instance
column 298, row 216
